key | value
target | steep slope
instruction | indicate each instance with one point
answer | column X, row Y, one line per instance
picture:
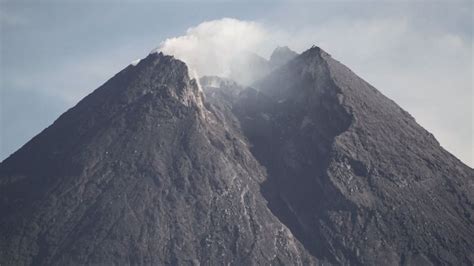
column 354, row 177
column 312, row 166
column 140, row 172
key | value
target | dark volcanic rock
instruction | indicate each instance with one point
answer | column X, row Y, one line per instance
column 140, row 172
column 354, row 177
column 312, row 166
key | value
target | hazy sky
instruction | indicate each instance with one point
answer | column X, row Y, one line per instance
column 419, row 53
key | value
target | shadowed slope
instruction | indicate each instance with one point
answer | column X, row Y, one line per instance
column 354, row 177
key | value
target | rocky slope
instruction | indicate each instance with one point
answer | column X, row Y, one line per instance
column 140, row 172
column 310, row 166
column 354, row 177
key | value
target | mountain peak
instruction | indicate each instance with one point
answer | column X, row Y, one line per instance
column 132, row 175
column 169, row 76
column 328, row 137
column 281, row 55
column 314, row 167
column 315, row 51
column 282, row 50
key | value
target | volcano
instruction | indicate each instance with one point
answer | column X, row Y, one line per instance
column 310, row 165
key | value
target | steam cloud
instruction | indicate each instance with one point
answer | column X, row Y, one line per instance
column 391, row 53
column 212, row 47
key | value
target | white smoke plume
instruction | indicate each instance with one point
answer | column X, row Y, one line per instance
column 213, row 47
column 426, row 72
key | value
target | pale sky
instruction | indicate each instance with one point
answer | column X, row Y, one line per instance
column 418, row 53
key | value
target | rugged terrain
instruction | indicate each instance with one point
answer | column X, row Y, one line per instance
column 309, row 165
column 354, row 177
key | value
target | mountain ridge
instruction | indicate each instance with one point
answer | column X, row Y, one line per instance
column 312, row 166
column 152, row 181
column 374, row 153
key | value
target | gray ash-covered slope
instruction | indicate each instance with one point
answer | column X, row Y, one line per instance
column 313, row 166
column 140, row 172
column 353, row 176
